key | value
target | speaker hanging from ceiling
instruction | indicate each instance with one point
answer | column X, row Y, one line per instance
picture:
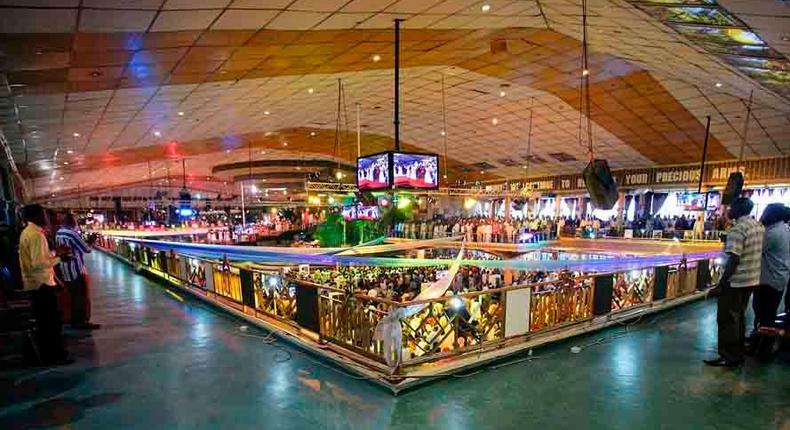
column 733, row 189
column 597, row 176
column 600, row 184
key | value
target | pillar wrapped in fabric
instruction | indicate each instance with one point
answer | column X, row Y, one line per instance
column 703, row 274
column 307, row 307
column 602, row 297
column 660, row 288
column 247, row 288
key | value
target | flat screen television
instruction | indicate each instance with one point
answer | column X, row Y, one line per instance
column 368, row 213
column 412, row 170
column 373, row 172
column 691, row 201
column 714, row 200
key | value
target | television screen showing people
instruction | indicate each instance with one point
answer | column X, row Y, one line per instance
column 691, row 201
column 368, row 213
column 415, row 170
column 373, row 172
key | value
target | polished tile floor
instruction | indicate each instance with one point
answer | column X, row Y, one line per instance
column 165, row 362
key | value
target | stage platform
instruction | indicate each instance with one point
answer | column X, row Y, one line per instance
column 162, row 361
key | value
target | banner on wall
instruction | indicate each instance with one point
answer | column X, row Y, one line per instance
column 716, row 173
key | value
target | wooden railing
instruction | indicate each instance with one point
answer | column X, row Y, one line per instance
column 560, row 303
column 433, row 329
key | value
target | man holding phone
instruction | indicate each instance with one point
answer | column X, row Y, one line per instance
column 73, row 273
column 38, row 263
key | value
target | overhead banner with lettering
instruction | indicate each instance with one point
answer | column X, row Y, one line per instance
column 764, row 171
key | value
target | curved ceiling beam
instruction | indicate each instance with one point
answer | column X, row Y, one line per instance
column 284, row 163
column 298, row 177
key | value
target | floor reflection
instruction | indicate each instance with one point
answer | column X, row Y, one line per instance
column 161, row 363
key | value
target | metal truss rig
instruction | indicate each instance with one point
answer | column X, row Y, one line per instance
column 338, row 188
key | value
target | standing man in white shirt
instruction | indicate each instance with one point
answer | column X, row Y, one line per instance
column 741, row 275
column 38, row 263
column 73, row 273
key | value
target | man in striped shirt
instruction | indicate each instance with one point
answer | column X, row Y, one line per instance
column 73, row 275
column 741, row 275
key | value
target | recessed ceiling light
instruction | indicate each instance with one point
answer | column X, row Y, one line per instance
column 65, row 163
column 157, row 133
column 502, row 94
column 69, row 151
column 376, row 58
column 585, row 72
column 285, row 143
column 718, row 84
column 227, row 151
column 181, row 113
column 75, row 134
column 312, row 133
column 309, row 91
column 494, row 121
column 482, row 172
column 444, row 176
column 486, row 7
column 263, row 152
column 61, row 178
column 266, row 112
column 298, row 167
column 443, row 133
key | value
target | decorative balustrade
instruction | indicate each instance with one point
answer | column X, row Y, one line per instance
column 562, row 302
column 453, row 324
column 273, row 296
column 430, row 329
column 632, row 288
column 350, row 321
column 227, row 282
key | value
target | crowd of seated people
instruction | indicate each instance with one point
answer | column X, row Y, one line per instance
column 403, row 284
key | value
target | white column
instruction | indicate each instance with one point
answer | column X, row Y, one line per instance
column 243, row 216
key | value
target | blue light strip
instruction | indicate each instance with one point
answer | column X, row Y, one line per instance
column 266, row 256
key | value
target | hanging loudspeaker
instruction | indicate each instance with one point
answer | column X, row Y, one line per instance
column 733, row 189
column 600, row 184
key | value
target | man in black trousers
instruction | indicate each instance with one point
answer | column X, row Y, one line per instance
column 38, row 263
column 741, row 275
